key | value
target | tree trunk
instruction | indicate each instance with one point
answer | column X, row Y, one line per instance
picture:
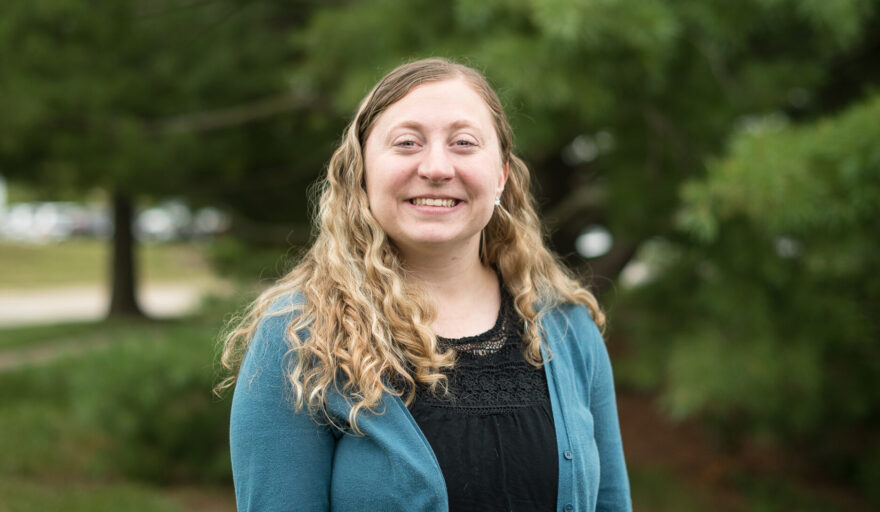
column 123, row 280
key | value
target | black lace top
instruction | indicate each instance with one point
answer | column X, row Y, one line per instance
column 493, row 434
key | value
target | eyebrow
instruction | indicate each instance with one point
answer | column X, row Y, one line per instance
column 460, row 123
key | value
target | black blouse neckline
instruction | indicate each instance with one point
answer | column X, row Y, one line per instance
column 505, row 334
column 492, row 432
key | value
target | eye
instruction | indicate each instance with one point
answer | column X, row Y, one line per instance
column 406, row 143
column 465, row 143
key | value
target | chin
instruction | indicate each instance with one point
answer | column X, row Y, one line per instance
column 432, row 241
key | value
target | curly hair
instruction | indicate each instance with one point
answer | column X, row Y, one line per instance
column 367, row 324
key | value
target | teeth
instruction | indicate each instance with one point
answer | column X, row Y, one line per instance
column 424, row 201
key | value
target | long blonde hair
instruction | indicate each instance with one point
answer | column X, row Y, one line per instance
column 368, row 325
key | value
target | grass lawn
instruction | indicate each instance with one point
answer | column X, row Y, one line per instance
column 22, row 495
column 20, row 337
column 87, row 262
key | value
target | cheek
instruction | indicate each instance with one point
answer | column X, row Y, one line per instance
column 387, row 180
column 371, row 176
column 381, row 188
column 369, row 186
column 486, row 178
column 372, row 179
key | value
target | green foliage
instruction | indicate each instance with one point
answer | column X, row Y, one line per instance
column 120, row 94
column 141, row 408
column 25, row 496
column 655, row 489
column 236, row 258
column 774, row 494
column 156, row 407
column 796, row 180
column 163, row 98
column 662, row 83
column 772, row 315
column 761, row 318
column 14, row 337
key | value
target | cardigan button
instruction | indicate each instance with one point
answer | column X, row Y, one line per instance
column 569, row 508
column 567, row 454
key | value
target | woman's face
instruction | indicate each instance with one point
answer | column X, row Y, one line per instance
column 433, row 168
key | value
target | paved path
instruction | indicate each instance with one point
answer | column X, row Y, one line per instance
column 90, row 302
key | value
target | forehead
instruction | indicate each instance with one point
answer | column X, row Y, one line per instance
column 439, row 104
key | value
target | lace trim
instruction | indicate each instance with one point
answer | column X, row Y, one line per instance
column 491, row 341
column 490, row 375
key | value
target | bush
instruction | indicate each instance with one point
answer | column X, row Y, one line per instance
column 765, row 323
column 235, row 258
column 142, row 407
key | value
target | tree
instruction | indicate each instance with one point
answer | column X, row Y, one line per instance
column 783, row 235
column 614, row 103
column 147, row 98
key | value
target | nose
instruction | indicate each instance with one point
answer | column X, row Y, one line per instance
column 436, row 165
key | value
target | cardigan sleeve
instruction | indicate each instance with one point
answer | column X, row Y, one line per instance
column 281, row 459
column 614, row 491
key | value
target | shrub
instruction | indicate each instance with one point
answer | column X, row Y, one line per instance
column 142, row 407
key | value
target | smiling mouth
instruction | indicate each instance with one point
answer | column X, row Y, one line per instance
column 427, row 201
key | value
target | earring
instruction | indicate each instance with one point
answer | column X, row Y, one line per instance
column 497, row 201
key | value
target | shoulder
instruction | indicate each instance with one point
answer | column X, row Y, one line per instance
column 278, row 317
column 269, row 347
column 572, row 321
column 572, row 336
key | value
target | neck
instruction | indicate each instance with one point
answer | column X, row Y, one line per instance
column 449, row 275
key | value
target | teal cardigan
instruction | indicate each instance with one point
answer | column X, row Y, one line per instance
column 283, row 460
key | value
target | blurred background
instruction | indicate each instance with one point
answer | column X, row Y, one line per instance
column 711, row 167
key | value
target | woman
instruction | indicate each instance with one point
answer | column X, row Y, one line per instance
column 428, row 352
